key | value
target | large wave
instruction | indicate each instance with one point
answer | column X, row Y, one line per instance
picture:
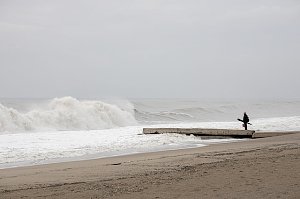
column 67, row 113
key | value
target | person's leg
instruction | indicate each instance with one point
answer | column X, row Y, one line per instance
column 245, row 124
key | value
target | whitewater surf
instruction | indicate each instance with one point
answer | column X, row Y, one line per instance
column 62, row 129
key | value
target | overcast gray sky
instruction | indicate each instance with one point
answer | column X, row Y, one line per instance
column 150, row 48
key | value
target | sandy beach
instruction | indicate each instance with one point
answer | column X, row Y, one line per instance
column 148, row 99
column 258, row 168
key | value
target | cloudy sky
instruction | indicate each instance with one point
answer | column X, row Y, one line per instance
column 150, row 48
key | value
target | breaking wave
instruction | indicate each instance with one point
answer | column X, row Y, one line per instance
column 67, row 113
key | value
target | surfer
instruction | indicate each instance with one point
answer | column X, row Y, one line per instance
column 245, row 120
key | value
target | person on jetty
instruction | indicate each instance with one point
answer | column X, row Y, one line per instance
column 245, row 120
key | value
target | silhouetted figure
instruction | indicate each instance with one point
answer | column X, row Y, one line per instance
column 245, row 120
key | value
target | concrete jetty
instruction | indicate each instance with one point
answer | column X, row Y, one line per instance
column 217, row 133
column 202, row 132
column 261, row 134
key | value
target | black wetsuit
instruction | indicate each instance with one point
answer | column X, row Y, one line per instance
column 245, row 120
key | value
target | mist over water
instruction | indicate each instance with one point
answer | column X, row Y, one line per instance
column 64, row 114
column 164, row 111
column 68, row 113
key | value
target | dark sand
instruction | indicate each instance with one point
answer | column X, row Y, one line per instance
column 260, row 168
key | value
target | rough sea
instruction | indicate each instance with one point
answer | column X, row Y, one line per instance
column 40, row 131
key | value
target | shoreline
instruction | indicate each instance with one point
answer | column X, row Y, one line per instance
column 163, row 174
column 127, row 152
column 101, row 155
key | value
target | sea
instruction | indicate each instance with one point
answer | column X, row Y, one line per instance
column 42, row 131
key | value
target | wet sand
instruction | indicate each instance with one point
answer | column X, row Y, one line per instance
column 259, row 168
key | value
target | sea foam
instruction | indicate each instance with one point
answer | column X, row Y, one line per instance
column 67, row 113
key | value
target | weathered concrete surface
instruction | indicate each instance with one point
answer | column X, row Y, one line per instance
column 201, row 132
column 217, row 132
column 272, row 134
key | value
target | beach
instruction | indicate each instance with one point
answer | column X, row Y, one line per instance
column 256, row 168
column 149, row 99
